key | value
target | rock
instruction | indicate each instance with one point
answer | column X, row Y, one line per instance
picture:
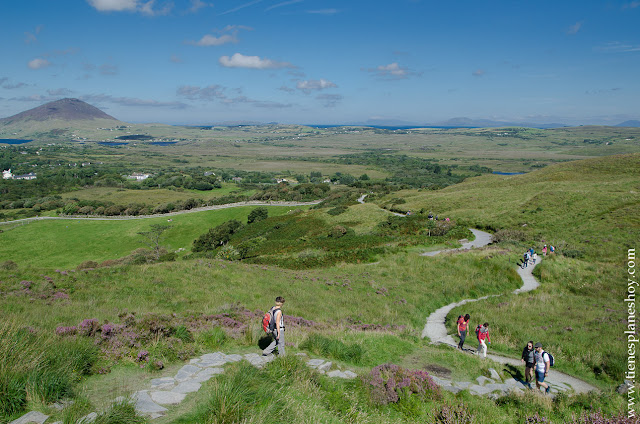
column 325, row 367
column 350, row 374
column 452, row 389
column 186, row 372
column 233, row 358
column 163, row 383
column 145, row 405
column 494, row 375
column 89, row 418
column 482, row 380
column 195, row 361
column 206, row 374
column 624, row 387
column 497, row 386
column 315, row 363
column 205, row 363
column 479, row 390
column 167, row 398
column 213, row 356
column 187, row 387
column 31, row 417
column 462, row 384
column 302, row 354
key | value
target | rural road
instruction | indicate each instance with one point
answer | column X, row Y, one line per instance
column 200, row 209
column 436, row 330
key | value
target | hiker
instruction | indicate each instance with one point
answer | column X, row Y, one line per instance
column 483, row 335
column 544, row 250
column 542, row 367
column 528, row 358
column 552, row 249
column 525, row 259
column 463, row 323
column 278, row 331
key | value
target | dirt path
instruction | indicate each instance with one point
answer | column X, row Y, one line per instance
column 182, row 212
column 436, row 330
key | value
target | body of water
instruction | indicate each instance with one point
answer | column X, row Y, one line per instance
column 13, row 141
column 111, row 143
column 508, row 173
column 162, row 143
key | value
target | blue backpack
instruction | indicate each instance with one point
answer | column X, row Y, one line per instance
column 551, row 359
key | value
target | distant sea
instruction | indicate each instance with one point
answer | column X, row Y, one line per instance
column 508, row 173
column 13, row 141
column 111, row 143
column 387, row 127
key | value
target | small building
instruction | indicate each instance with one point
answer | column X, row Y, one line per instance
column 7, row 175
column 29, row 176
column 138, row 176
column 237, row 179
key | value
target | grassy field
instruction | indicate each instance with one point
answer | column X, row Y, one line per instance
column 68, row 243
column 587, row 209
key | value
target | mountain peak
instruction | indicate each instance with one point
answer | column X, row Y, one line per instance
column 64, row 109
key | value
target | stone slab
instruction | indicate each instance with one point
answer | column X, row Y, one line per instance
column 163, row 383
column 233, row 358
column 315, row 363
column 206, row 363
column 167, row 398
column 482, row 380
column 494, row 375
column 479, row 390
column 186, row 372
column 326, row 366
column 213, row 356
column 462, row 384
column 452, row 389
column 187, row 387
column 145, row 405
column 206, row 374
column 31, row 417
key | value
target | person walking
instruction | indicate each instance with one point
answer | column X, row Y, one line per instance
column 528, row 358
column 278, row 331
column 483, row 339
column 463, row 324
column 544, row 250
column 542, row 367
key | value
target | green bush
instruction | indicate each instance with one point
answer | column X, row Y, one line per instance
column 211, row 339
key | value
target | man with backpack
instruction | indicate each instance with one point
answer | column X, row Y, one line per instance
column 543, row 362
column 275, row 328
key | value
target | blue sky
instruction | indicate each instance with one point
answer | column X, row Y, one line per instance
column 325, row 61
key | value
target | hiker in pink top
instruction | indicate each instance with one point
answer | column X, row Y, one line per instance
column 483, row 338
column 544, row 250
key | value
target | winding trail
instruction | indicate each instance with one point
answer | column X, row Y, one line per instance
column 436, row 330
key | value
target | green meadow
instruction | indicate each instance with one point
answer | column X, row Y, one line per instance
column 360, row 311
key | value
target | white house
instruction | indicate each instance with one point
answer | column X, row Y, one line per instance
column 7, row 175
column 29, row 176
column 139, row 176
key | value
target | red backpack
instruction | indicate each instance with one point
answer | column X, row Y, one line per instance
column 269, row 320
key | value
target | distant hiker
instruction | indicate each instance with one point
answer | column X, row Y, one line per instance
column 447, row 219
column 544, row 250
column 525, row 259
column 542, row 367
column 483, row 338
column 528, row 358
column 463, row 323
column 535, row 258
column 430, row 216
column 277, row 330
column 552, row 249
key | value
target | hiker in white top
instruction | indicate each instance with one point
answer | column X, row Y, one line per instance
column 542, row 367
column 278, row 332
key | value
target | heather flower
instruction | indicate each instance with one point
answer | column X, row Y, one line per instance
column 66, row 331
column 88, row 327
column 26, row 284
column 388, row 382
column 60, row 296
column 143, row 356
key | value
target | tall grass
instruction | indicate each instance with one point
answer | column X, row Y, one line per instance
column 37, row 367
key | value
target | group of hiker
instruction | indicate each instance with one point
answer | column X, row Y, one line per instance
column 530, row 256
column 536, row 360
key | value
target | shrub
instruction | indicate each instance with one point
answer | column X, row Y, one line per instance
column 337, row 210
column 454, row 414
column 258, row 214
column 9, row 265
column 388, row 383
column 509, row 235
column 123, row 412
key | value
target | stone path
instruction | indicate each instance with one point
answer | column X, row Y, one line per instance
column 163, row 392
column 436, row 330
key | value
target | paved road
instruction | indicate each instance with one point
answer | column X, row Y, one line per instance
column 201, row 209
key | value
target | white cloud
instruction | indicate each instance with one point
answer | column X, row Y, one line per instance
column 311, row 85
column 197, row 5
column 478, row 73
column 573, row 29
column 147, row 8
column 38, row 63
column 253, row 62
column 392, row 71
column 284, row 3
column 114, row 5
column 210, row 40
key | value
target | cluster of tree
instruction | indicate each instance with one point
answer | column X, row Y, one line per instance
column 189, row 181
column 299, row 193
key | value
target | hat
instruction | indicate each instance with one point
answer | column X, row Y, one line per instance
column 538, row 345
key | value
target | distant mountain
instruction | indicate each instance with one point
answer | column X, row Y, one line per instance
column 633, row 123
column 64, row 110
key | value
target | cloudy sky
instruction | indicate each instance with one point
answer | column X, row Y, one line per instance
column 325, row 61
